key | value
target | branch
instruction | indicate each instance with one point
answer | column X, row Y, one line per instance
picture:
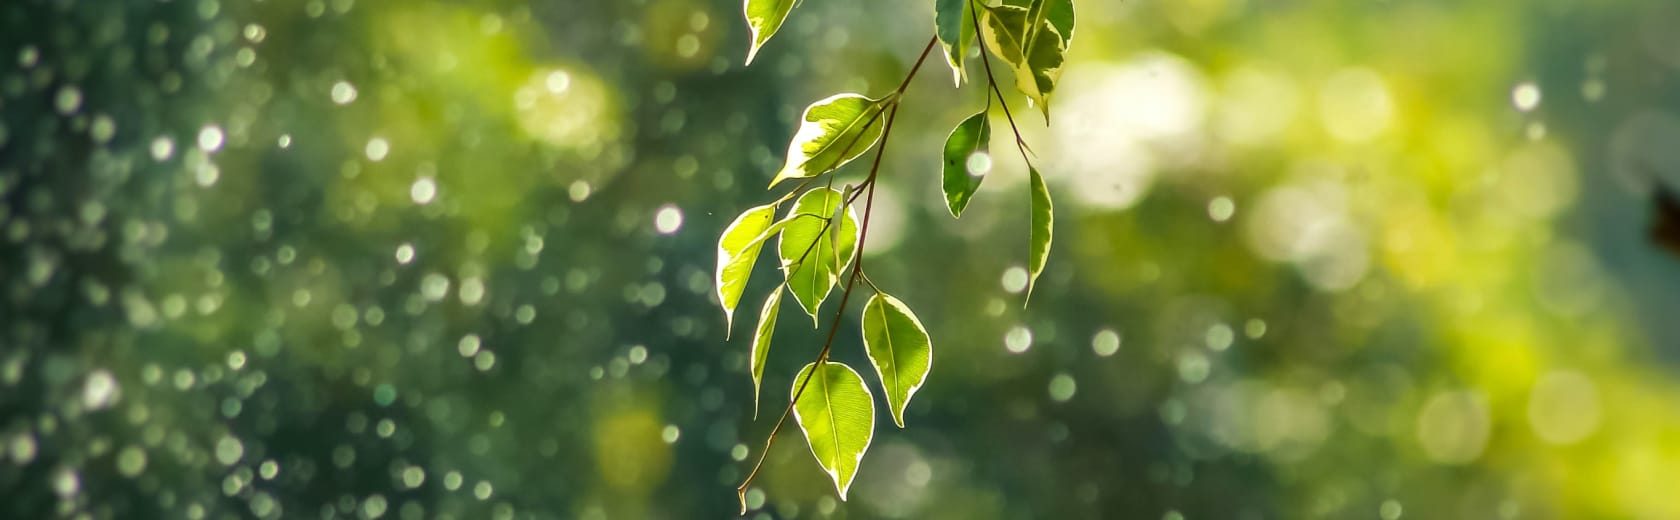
column 851, row 281
column 1020, row 143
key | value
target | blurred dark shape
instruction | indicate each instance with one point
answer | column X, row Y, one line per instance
column 1665, row 225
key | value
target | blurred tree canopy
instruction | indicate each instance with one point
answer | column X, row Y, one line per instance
column 425, row 259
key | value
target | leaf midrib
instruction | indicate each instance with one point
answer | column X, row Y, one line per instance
column 892, row 354
column 833, row 420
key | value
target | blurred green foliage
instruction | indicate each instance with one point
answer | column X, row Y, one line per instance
column 417, row 259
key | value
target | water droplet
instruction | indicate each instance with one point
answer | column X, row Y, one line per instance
column 343, row 92
column 103, row 128
column 668, row 220
column 1219, row 337
column 377, row 148
column 1015, row 280
column 434, row 286
column 472, row 291
column 558, row 81
column 1106, row 342
column 578, row 191
column 1062, row 388
column 229, row 450
column 1391, row 510
column 1018, row 340
column 374, row 507
column 1525, row 96
column 979, row 164
column 162, row 148
column 210, row 138
column 131, row 461
column 100, row 390
column 413, row 476
column 468, row 346
column 423, row 191
column 69, row 99
column 1221, row 209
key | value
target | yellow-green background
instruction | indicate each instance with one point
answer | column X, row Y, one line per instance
column 417, row 259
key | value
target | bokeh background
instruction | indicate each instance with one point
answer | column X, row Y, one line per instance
column 453, row 259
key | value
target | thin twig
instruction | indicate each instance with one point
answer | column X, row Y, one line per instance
column 1020, row 143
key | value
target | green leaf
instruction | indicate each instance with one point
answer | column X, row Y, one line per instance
column 900, row 349
column 1004, row 30
column 833, row 132
column 950, row 21
column 969, row 137
column 737, row 252
column 761, row 341
column 764, row 17
column 1036, row 62
column 811, row 261
column 837, row 414
column 1059, row 13
column 1043, row 218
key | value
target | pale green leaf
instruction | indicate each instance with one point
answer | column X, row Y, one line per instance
column 832, row 132
column 1043, row 219
column 761, row 341
column 899, row 347
column 811, row 260
column 1058, row 13
column 968, row 138
column 950, row 21
column 837, row 414
column 764, row 17
column 1004, row 30
column 1036, row 62
column 737, row 251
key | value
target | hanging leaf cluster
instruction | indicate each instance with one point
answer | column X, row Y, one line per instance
column 819, row 237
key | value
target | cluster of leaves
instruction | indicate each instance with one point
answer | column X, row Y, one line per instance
column 821, row 235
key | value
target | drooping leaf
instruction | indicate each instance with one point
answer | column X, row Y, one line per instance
column 968, row 138
column 811, row 261
column 950, row 21
column 1043, row 219
column 1059, row 13
column 761, row 341
column 900, row 349
column 737, row 251
column 1004, row 30
column 764, row 17
column 832, row 132
column 837, row 414
column 1012, row 35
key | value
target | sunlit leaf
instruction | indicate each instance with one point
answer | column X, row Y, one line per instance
column 764, row 17
column 1004, row 30
column 1043, row 218
column 737, row 251
column 810, row 259
column 1058, row 13
column 950, row 21
column 837, row 414
column 1036, row 62
column 761, row 341
column 832, row 132
column 899, row 347
column 969, row 137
